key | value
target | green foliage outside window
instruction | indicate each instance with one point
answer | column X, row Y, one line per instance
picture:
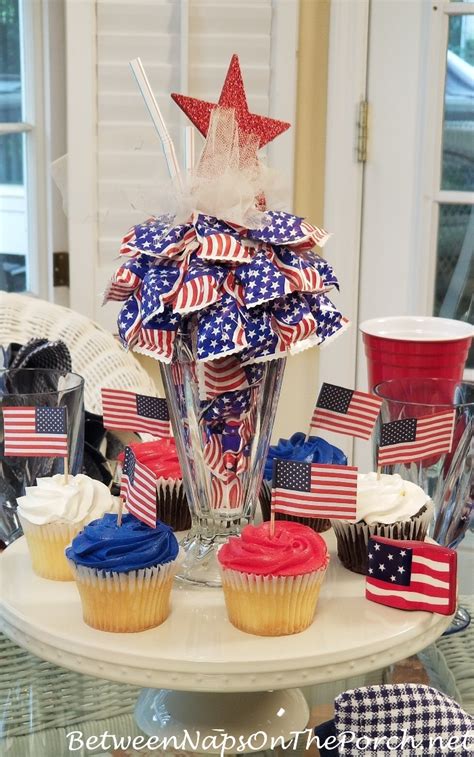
column 11, row 152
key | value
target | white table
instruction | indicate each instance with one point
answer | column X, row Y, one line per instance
column 199, row 652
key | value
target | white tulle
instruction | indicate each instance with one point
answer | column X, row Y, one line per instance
column 230, row 182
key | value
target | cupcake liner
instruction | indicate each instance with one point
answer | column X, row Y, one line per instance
column 265, row 495
column 172, row 504
column 353, row 538
column 46, row 545
column 271, row 605
column 125, row 602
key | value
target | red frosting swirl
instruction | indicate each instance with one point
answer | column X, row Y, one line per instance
column 293, row 550
column 159, row 456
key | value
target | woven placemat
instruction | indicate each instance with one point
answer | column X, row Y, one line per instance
column 449, row 662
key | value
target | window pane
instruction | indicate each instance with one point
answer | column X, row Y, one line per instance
column 10, row 62
column 458, row 131
column 13, row 215
column 11, row 159
column 454, row 289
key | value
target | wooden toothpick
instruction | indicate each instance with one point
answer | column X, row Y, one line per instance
column 120, row 512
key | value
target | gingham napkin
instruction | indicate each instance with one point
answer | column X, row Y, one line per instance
column 426, row 719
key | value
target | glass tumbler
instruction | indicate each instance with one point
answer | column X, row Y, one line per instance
column 37, row 387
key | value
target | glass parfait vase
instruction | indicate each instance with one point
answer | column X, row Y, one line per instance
column 222, row 437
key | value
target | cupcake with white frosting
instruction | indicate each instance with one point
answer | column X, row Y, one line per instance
column 53, row 512
column 387, row 506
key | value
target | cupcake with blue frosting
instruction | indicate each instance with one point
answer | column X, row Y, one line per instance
column 298, row 449
column 124, row 573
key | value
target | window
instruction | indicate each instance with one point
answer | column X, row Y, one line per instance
column 22, row 179
column 454, row 286
column 13, row 215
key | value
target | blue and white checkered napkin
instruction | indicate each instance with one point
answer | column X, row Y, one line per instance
column 417, row 719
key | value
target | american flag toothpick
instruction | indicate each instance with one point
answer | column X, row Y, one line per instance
column 128, row 411
column 138, row 489
column 346, row 411
column 311, row 490
column 411, row 439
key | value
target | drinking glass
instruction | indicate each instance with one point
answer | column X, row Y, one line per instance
column 37, row 387
column 447, row 478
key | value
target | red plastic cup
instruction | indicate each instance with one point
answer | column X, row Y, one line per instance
column 415, row 347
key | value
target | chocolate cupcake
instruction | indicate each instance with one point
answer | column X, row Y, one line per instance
column 160, row 456
column 387, row 506
column 299, row 449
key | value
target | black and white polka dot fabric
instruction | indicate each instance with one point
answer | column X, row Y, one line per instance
column 401, row 720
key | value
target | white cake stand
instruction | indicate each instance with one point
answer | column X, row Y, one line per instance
column 206, row 674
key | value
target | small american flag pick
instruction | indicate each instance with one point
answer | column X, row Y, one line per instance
column 311, row 490
column 412, row 575
column 138, row 489
column 345, row 411
column 35, row 431
column 128, row 411
column 413, row 439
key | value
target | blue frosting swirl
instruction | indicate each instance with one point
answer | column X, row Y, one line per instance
column 314, row 450
column 132, row 546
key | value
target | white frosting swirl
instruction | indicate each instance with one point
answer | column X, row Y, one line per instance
column 387, row 499
column 82, row 499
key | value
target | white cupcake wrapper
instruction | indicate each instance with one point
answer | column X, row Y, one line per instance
column 134, row 580
column 271, row 584
column 52, row 531
column 173, row 484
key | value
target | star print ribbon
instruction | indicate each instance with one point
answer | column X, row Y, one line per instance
column 127, row 279
column 158, row 336
column 255, row 294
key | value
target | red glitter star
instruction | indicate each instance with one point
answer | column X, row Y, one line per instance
column 232, row 96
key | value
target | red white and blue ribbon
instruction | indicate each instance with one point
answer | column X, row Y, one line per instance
column 256, row 294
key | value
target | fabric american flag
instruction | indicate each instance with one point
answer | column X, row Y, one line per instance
column 294, row 320
column 158, row 238
column 35, row 431
column 213, row 455
column 346, row 411
column 138, row 489
column 219, row 329
column 412, row 575
column 128, row 411
column 160, row 285
column 129, row 320
column 223, row 375
column 286, row 229
column 219, row 241
column 312, row 490
column 200, row 286
column 413, row 439
column 128, row 278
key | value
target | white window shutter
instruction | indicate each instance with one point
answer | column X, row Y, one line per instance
column 185, row 46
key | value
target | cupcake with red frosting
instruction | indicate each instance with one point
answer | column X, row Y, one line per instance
column 272, row 582
column 161, row 457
